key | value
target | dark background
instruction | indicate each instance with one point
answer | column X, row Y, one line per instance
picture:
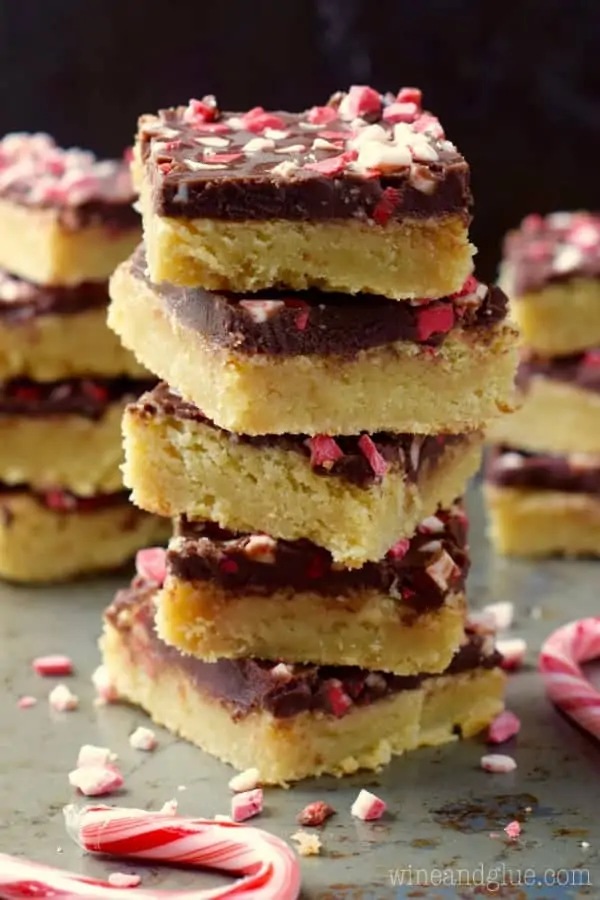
column 516, row 83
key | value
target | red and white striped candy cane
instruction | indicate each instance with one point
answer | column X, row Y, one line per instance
column 268, row 868
column 560, row 665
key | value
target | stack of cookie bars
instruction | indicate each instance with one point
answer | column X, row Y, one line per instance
column 65, row 221
column 543, row 475
column 329, row 364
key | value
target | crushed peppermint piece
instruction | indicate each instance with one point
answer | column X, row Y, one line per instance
column 333, row 165
column 400, row 549
column 124, row 880
column 245, row 781
column 151, row 564
column 321, row 115
column 105, row 688
column 26, row 702
column 368, row 806
column 324, row 451
column 285, row 169
column 498, row 763
column 431, row 525
column 442, row 570
column 246, row 805
column 513, row 652
column 315, row 813
column 62, row 699
column 369, row 449
column 513, row 829
column 309, row 844
column 434, row 319
column 360, row 101
column 337, row 699
column 89, row 755
column 261, row 548
column 95, row 781
column 143, row 739
column 261, row 310
column 52, row 665
column 504, row 727
column 502, row 613
column 169, row 808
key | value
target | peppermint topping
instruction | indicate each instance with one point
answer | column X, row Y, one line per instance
column 324, row 451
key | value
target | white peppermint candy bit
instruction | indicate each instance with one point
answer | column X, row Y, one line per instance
column 442, row 570
column 510, row 461
column 293, row 148
column 261, row 310
column 431, row 525
column 375, row 155
column 567, row 259
column 502, row 614
column 368, row 135
column 196, row 166
column 275, row 134
column 285, row 169
column 258, row 144
column 261, row 548
column 245, row 781
column 212, row 140
column 498, row 763
column 422, row 179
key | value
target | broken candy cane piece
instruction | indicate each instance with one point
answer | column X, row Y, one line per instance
column 504, row 727
column 26, row 702
column 143, row 739
column 368, row 806
column 95, row 781
column 105, row 687
column 52, row 665
column 124, row 880
column 62, row 699
column 246, row 805
column 89, row 755
column 244, row 781
column 501, row 613
column 512, row 651
column 513, row 829
column 498, row 763
column 151, row 564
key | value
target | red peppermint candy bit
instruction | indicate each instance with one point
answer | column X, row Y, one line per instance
column 361, row 101
column 151, row 564
column 400, row 549
column 430, row 124
column 229, row 566
column 321, row 115
column 532, row 223
column 374, row 457
column 400, row 112
column 128, row 154
column 203, row 110
column 60, row 501
column 592, row 358
column 26, row 393
column 324, row 451
column 410, row 95
column 334, row 165
column 301, row 320
column 384, row 210
column 223, row 157
column 165, row 167
column 469, row 287
column 337, row 699
column 315, row 813
column 95, row 391
column 257, row 120
column 434, row 319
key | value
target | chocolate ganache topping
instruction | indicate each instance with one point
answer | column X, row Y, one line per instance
column 574, row 474
column 87, row 397
column 22, row 300
column 581, row 370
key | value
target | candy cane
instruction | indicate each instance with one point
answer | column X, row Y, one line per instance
column 567, row 686
column 269, row 868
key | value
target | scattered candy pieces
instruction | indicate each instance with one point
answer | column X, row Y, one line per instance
column 502, row 613
column 513, row 652
column 122, row 879
column 504, row 727
column 89, row 755
column 246, row 805
column 513, row 829
column 266, row 868
column 62, row 699
column 315, row 813
column 308, row 844
column 150, row 564
column 368, row 806
column 245, row 781
column 26, row 702
column 498, row 763
column 143, row 739
column 170, row 807
column 95, row 781
column 52, row 665
column 105, row 688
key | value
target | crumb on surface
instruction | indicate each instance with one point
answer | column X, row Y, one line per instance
column 309, row 844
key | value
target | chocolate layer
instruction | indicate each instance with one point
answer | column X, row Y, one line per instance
column 250, row 685
column 21, row 301
column 279, row 323
column 204, row 163
column 86, row 397
column 558, row 247
column 582, row 370
column 420, row 572
column 83, row 191
column 62, row 501
column 574, row 474
column 407, row 452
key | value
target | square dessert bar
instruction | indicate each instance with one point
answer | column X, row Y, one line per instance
column 292, row 722
column 543, row 504
column 314, row 363
column 561, row 406
column 365, row 194
column 50, row 332
column 56, row 536
column 234, row 595
column 354, row 496
column 64, row 434
column 65, row 217
column 551, row 272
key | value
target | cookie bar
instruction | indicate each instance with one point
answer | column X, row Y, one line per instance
column 48, row 333
column 551, row 272
column 362, row 195
column 561, row 406
column 234, row 595
column 57, row 536
column 543, row 504
column 354, row 496
column 65, row 433
column 291, row 721
column 317, row 364
column 65, row 217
